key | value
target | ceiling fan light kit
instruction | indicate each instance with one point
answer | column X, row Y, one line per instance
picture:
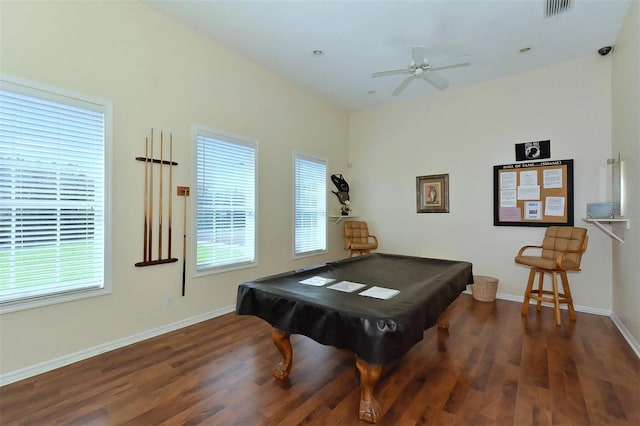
column 421, row 68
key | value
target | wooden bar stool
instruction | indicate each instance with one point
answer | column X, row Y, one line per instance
column 561, row 251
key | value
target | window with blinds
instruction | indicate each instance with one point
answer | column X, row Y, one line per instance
column 310, row 205
column 226, row 202
column 53, row 211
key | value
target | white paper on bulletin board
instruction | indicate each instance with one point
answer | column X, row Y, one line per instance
column 554, row 206
column 508, row 180
column 529, row 192
column 552, row 178
column 533, row 210
column 508, row 198
column 529, row 178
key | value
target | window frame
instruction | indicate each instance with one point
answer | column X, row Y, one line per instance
column 198, row 130
column 67, row 97
column 315, row 159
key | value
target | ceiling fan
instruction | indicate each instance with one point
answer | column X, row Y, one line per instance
column 419, row 67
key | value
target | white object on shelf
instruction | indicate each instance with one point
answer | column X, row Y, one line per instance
column 598, row 223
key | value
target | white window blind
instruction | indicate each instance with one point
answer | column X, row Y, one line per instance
column 310, row 205
column 52, row 194
column 226, row 201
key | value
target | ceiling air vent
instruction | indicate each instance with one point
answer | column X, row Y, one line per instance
column 556, row 7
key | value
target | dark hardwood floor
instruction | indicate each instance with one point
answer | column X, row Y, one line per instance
column 493, row 367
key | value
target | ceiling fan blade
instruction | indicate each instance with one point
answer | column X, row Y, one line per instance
column 417, row 53
column 458, row 62
column 435, row 79
column 403, row 85
column 391, row 72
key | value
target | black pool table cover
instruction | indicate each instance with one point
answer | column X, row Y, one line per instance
column 377, row 330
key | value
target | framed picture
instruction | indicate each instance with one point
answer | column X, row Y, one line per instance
column 432, row 193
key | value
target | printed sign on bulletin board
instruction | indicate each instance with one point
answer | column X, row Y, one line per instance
column 533, row 194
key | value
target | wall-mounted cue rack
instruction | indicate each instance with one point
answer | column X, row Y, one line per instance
column 151, row 205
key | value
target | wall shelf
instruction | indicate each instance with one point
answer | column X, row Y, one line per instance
column 339, row 217
column 599, row 224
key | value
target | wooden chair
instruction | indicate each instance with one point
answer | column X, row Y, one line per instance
column 561, row 251
column 357, row 238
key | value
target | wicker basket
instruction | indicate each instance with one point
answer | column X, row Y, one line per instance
column 484, row 288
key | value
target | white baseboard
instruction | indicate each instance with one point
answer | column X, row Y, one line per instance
column 43, row 367
column 578, row 308
column 635, row 345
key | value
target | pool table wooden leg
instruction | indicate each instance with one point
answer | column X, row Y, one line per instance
column 281, row 339
column 369, row 376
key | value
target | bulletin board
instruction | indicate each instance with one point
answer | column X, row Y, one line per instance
column 533, row 194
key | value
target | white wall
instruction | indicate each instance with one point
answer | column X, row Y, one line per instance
column 159, row 74
column 626, row 142
column 466, row 132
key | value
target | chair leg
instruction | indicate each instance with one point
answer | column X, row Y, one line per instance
column 556, row 300
column 540, row 291
column 527, row 292
column 567, row 295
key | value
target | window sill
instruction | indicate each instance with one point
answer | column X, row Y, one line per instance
column 39, row 302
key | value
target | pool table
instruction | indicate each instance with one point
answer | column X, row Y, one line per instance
column 376, row 306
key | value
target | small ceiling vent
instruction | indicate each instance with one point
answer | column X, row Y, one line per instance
column 556, row 7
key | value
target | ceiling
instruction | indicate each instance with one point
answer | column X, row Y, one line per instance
column 361, row 37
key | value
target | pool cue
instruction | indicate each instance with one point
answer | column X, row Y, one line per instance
column 150, row 242
column 184, row 244
column 160, row 203
column 146, row 198
column 184, row 191
column 170, row 188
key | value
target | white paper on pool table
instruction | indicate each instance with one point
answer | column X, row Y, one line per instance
column 317, row 281
column 346, row 286
column 380, row 292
